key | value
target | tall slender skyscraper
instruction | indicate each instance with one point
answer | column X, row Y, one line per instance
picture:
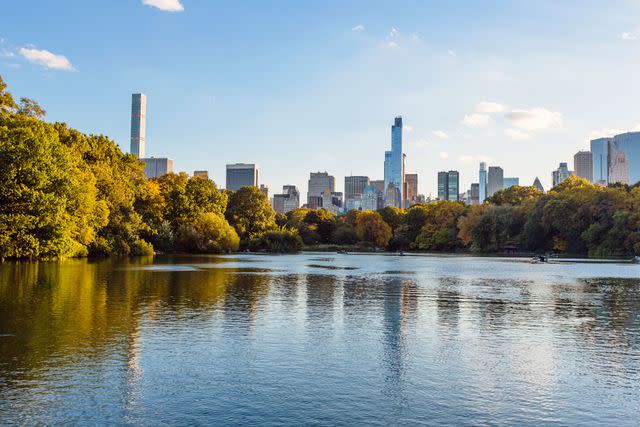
column 482, row 183
column 495, row 180
column 394, row 167
column 138, row 124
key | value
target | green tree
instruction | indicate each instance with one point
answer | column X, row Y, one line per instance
column 209, row 233
column 514, row 195
column 281, row 240
column 322, row 222
column 392, row 216
column 250, row 212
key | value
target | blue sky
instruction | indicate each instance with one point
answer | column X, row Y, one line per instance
column 305, row 86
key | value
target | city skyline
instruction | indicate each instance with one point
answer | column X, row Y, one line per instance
column 463, row 99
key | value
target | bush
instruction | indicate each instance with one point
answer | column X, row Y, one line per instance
column 210, row 233
column 276, row 241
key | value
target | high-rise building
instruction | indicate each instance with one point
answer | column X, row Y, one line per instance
column 264, row 189
column 449, row 185
column 288, row 200
column 482, row 183
column 560, row 174
column 353, row 188
column 411, row 185
column 318, row 183
column 201, row 174
column 600, row 159
column 510, row 182
column 583, row 165
column 157, row 167
column 379, row 184
column 138, row 124
column 474, row 194
column 370, row 196
column 495, row 180
column 241, row 175
column 538, row 184
column 394, row 168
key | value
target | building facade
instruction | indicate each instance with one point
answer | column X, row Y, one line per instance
column 583, row 165
column 138, row 124
column 482, row 182
column 201, row 174
column 600, row 159
column 157, row 167
column 510, row 182
column 288, row 200
column 241, row 175
column 411, row 185
column 353, row 189
column 474, row 194
column 495, row 180
column 560, row 174
column 449, row 185
column 317, row 184
column 538, row 184
column 394, row 168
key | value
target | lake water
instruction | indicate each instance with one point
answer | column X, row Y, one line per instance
column 319, row 339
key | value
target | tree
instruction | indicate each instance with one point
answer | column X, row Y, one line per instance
column 392, row 216
column 30, row 108
column 209, row 233
column 282, row 240
column 7, row 104
column 371, row 228
column 514, row 195
column 250, row 212
column 322, row 222
column 440, row 231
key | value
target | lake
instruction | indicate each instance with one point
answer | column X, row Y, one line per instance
column 319, row 339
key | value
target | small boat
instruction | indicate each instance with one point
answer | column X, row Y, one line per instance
column 343, row 252
column 539, row 258
column 400, row 253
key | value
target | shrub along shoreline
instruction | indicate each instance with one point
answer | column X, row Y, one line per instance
column 68, row 194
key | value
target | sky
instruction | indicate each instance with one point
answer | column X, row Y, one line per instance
column 299, row 86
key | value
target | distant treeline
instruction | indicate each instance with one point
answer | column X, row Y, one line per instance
column 67, row 194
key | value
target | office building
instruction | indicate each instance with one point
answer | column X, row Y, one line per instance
column 394, row 180
column 370, row 196
column 241, row 175
column 331, row 201
column 379, row 184
column 474, row 194
column 449, row 185
column 264, row 189
column 495, row 180
column 411, row 186
column 583, row 165
column 482, row 183
column 353, row 188
column 288, row 200
column 560, row 174
column 201, row 174
column 138, row 124
column 318, row 183
column 600, row 159
column 157, row 167
column 510, row 182
column 538, row 184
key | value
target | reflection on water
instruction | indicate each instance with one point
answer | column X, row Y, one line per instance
column 317, row 339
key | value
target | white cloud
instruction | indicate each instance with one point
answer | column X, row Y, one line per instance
column 393, row 32
column 165, row 5
column 440, row 134
column 443, row 155
column 6, row 54
column 392, row 44
column 607, row 133
column 629, row 36
column 534, row 119
column 475, row 120
column 516, row 134
column 451, row 53
column 490, row 107
column 46, row 59
column 358, row 28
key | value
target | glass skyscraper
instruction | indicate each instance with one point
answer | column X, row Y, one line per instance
column 241, row 175
column 449, row 185
column 626, row 149
column 394, row 167
column 482, row 183
column 600, row 152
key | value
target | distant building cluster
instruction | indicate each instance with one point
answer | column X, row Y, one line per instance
column 609, row 160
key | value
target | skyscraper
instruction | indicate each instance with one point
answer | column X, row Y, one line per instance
column 538, row 184
column 624, row 158
column 449, row 185
column 264, row 189
column 583, row 165
column 318, row 183
column 474, row 194
column 394, row 167
column 241, row 175
column 482, row 183
column 353, row 188
column 600, row 159
column 495, row 181
column 138, row 124
column 560, row 174
column 201, row 174
column 155, row 167
column 288, row 200
column 411, row 183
